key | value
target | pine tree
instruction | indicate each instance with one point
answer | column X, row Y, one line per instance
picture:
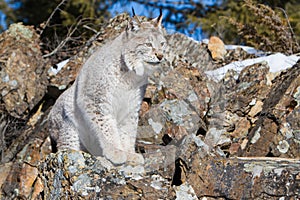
column 255, row 24
column 6, row 10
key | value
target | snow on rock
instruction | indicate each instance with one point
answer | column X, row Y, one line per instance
column 277, row 62
column 54, row 70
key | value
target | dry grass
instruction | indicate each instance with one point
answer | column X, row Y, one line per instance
column 268, row 30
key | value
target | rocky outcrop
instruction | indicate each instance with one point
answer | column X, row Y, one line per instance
column 23, row 76
column 234, row 137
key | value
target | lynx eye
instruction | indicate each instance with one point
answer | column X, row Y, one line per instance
column 148, row 44
column 162, row 44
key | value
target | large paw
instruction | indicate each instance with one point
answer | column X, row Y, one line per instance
column 117, row 157
column 135, row 159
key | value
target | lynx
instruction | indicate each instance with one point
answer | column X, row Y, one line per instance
column 99, row 112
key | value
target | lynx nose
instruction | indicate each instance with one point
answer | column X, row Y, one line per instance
column 159, row 56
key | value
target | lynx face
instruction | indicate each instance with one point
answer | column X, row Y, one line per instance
column 151, row 49
column 146, row 46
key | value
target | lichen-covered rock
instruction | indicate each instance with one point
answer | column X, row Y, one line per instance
column 276, row 129
column 23, row 179
column 179, row 101
column 73, row 174
column 23, row 78
column 249, row 117
column 244, row 178
column 192, row 129
column 183, row 49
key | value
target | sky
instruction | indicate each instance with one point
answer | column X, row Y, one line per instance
column 149, row 12
column 140, row 10
column 2, row 16
column 145, row 11
column 2, row 20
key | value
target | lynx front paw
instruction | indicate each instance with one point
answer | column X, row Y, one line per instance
column 135, row 159
column 117, row 157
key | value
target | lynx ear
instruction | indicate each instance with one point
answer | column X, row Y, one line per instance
column 135, row 23
column 157, row 21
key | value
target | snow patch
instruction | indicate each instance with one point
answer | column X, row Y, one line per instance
column 58, row 67
column 277, row 62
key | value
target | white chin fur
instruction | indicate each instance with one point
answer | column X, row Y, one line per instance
column 139, row 70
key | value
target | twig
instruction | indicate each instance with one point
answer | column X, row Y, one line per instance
column 50, row 17
column 289, row 24
column 63, row 42
column 89, row 28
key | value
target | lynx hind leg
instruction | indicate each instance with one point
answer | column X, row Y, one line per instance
column 69, row 138
column 61, row 128
column 65, row 136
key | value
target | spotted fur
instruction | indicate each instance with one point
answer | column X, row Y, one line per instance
column 99, row 112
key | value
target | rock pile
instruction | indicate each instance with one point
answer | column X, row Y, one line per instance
column 234, row 137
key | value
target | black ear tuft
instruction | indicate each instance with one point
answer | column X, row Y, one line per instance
column 160, row 13
column 133, row 13
column 135, row 22
column 159, row 19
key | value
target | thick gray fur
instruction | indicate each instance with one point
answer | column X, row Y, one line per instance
column 99, row 112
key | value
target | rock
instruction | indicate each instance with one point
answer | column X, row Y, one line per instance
column 24, row 179
column 178, row 106
column 185, row 192
column 77, row 174
column 274, row 113
column 241, row 128
column 5, row 169
column 23, row 70
column 244, row 178
column 195, row 131
column 181, row 49
column 257, row 108
column 216, row 48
